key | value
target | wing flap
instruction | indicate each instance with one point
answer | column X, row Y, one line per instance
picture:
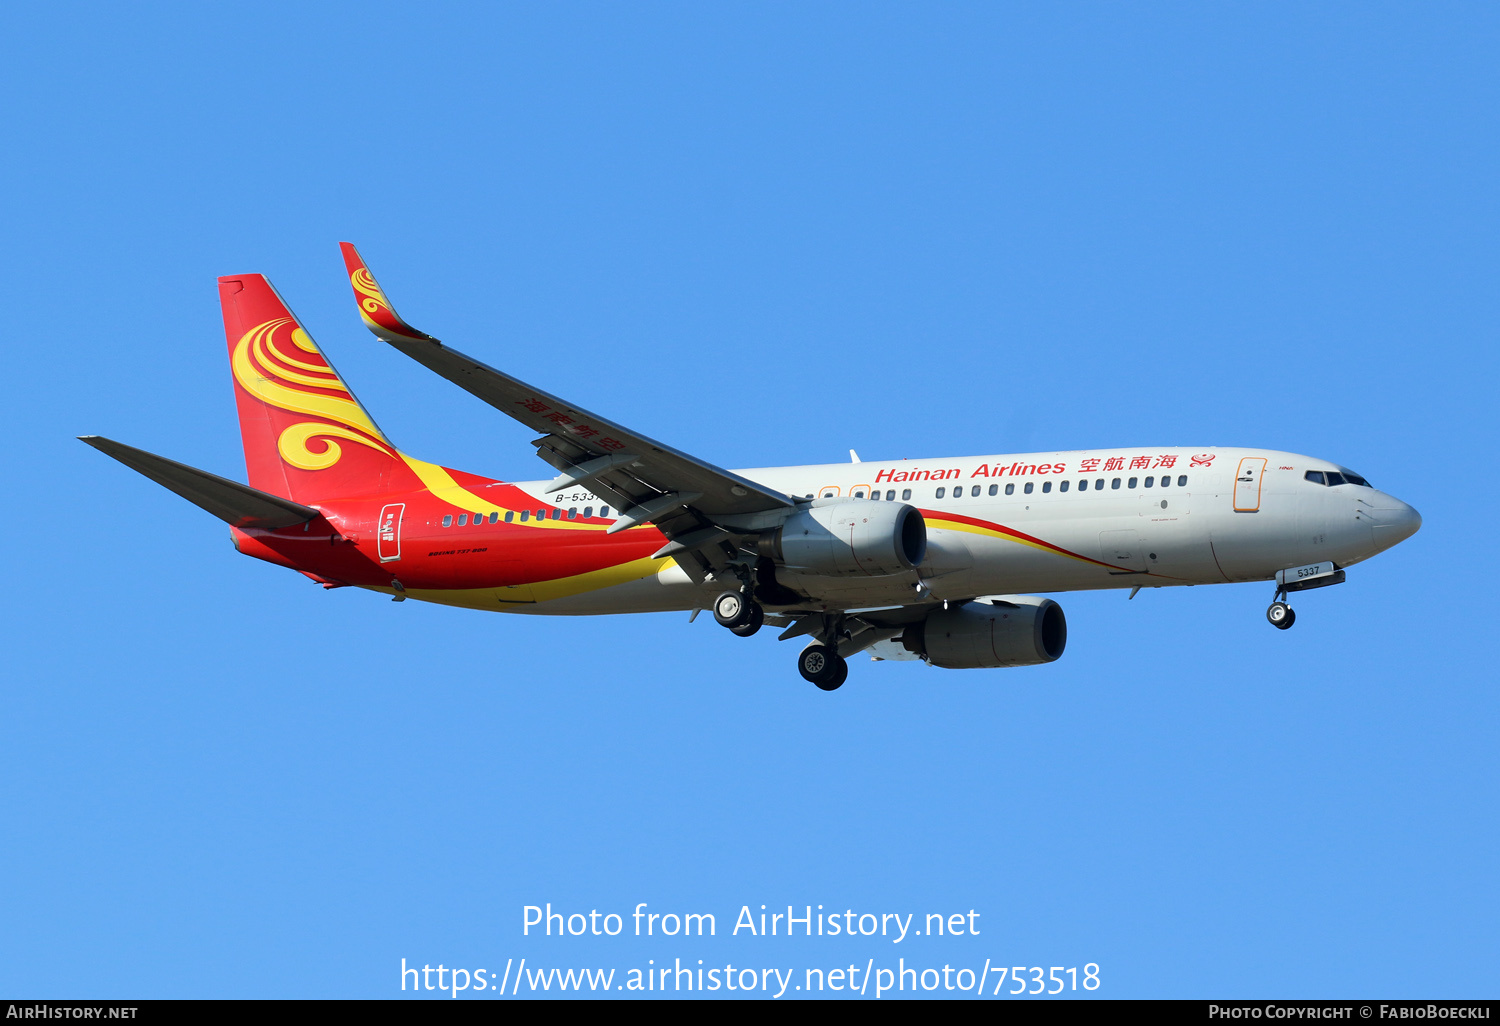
column 236, row 504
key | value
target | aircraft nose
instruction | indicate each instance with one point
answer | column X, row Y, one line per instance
column 1395, row 521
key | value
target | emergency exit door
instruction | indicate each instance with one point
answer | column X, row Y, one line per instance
column 1247, row 484
column 388, row 533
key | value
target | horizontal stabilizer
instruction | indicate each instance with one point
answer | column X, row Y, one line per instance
column 236, row 504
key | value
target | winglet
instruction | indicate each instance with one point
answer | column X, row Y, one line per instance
column 374, row 309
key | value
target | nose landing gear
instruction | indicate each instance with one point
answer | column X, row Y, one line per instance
column 1280, row 614
column 1299, row 578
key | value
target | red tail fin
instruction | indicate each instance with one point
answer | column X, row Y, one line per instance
column 306, row 437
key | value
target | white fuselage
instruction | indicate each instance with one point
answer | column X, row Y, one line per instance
column 1070, row 521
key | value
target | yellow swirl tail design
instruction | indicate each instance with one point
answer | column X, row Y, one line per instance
column 306, row 436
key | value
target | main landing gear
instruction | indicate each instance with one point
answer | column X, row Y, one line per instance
column 823, row 666
column 819, row 663
column 742, row 615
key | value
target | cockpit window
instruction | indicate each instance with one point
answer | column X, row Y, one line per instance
column 1335, row 477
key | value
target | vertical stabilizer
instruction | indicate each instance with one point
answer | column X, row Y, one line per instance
column 306, row 437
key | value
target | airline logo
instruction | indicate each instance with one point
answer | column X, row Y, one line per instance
column 1099, row 465
column 278, row 363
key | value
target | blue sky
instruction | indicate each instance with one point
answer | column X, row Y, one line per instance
column 764, row 233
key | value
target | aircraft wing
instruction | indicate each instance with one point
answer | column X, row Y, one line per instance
column 697, row 505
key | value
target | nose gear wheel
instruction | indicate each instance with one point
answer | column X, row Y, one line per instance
column 1281, row 615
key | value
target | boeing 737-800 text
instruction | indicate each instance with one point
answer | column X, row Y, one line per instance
column 931, row 559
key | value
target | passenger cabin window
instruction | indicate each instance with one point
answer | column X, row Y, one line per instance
column 1010, row 488
column 1083, row 485
column 448, row 520
column 1115, row 483
column 510, row 516
column 588, row 511
column 1181, row 480
column 557, row 514
column 1028, row 488
column 859, row 493
column 604, row 511
column 1098, row 484
column 994, row 489
column 525, row 515
column 890, row 495
column 573, row 513
column 940, row 492
column 1131, row 483
column 1150, row 481
column 1062, row 486
column 1046, row 487
column 905, row 494
column 541, row 514
column 463, row 519
column 494, row 518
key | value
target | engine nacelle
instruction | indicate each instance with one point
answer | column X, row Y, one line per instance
column 858, row 536
column 1010, row 630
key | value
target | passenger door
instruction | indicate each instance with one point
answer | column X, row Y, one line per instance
column 1247, row 482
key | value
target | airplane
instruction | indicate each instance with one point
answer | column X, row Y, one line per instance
column 931, row 559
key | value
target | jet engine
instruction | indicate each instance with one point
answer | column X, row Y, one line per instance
column 1008, row 630
column 859, row 536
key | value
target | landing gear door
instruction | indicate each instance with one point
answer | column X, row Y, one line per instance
column 388, row 534
column 1247, row 484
